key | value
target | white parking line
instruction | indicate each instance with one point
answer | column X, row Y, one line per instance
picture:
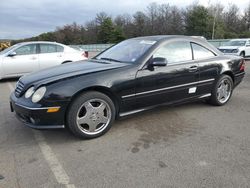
column 54, row 164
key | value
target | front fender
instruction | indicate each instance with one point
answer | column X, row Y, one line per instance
column 64, row 90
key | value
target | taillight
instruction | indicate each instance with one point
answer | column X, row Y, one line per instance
column 242, row 66
column 85, row 54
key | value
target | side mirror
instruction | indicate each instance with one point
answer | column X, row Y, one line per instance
column 158, row 62
column 12, row 54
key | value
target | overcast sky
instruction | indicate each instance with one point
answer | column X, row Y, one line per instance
column 27, row 18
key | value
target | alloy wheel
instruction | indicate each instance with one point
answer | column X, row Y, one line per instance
column 224, row 91
column 93, row 116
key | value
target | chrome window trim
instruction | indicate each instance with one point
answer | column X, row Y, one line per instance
column 167, row 88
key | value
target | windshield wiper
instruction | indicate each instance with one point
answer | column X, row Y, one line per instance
column 109, row 59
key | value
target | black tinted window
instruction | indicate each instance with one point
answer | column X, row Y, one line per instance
column 175, row 52
column 50, row 48
column 26, row 50
column 200, row 52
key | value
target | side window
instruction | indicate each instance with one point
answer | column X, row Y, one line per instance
column 175, row 52
column 26, row 50
column 48, row 48
column 59, row 48
column 200, row 52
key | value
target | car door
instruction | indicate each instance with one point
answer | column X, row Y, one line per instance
column 208, row 68
column 23, row 60
column 174, row 82
column 50, row 55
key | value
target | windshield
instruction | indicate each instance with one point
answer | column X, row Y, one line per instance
column 9, row 49
column 236, row 43
column 127, row 51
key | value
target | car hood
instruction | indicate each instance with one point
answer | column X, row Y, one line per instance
column 68, row 70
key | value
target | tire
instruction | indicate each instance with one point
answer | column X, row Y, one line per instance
column 90, row 115
column 242, row 54
column 222, row 91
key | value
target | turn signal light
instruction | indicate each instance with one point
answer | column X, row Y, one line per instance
column 52, row 110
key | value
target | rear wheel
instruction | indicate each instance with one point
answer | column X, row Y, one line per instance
column 222, row 91
column 91, row 115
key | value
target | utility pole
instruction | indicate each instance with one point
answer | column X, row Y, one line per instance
column 215, row 14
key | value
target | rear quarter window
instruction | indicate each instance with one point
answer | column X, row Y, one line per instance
column 59, row 48
column 201, row 52
column 50, row 48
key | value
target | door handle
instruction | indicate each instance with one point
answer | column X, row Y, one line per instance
column 33, row 58
column 193, row 68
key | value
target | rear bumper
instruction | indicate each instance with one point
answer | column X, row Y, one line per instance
column 238, row 78
column 37, row 118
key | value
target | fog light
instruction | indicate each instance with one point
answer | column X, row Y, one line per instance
column 53, row 109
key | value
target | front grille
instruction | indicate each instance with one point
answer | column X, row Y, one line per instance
column 226, row 50
column 19, row 89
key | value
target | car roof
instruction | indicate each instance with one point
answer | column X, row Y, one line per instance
column 197, row 39
column 165, row 37
column 36, row 42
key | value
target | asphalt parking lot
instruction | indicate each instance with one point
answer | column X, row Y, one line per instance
column 191, row 145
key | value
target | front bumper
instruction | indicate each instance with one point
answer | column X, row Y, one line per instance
column 236, row 54
column 37, row 117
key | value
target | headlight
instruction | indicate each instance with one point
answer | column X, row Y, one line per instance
column 38, row 95
column 235, row 51
column 29, row 92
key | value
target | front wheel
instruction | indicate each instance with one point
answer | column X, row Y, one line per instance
column 222, row 91
column 91, row 115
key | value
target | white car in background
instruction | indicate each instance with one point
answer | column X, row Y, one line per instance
column 27, row 57
column 239, row 47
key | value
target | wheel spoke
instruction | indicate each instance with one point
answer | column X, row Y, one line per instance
column 92, row 126
column 219, row 95
column 101, row 107
column 89, row 107
column 84, row 120
column 103, row 119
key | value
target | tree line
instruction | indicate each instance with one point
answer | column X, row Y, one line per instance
column 213, row 22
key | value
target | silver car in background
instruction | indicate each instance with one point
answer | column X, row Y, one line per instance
column 27, row 57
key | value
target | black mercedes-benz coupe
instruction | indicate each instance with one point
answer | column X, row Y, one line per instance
column 132, row 76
